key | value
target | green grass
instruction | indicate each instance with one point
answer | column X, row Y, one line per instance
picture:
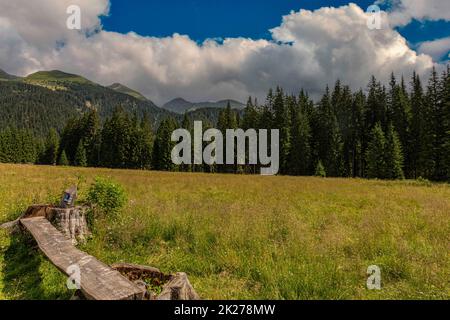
column 55, row 75
column 247, row 237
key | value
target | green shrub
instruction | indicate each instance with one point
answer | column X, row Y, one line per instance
column 320, row 170
column 424, row 182
column 106, row 196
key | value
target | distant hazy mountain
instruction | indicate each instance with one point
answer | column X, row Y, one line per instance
column 6, row 76
column 124, row 89
column 178, row 105
column 181, row 106
column 209, row 116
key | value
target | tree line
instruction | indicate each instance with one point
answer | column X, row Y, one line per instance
column 386, row 132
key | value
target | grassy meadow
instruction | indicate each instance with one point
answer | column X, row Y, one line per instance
column 246, row 237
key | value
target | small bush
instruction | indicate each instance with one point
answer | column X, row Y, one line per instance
column 106, row 196
column 320, row 170
column 424, row 182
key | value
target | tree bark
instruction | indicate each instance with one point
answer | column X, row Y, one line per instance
column 173, row 287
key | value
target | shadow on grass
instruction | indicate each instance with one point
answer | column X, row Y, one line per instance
column 26, row 273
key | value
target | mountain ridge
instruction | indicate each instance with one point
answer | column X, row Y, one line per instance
column 56, row 75
column 181, row 106
column 126, row 90
column 48, row 99
column 6, row 76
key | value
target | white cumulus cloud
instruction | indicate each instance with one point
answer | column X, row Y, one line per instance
column 437, row 49
column 309, row 49
column 403, row 11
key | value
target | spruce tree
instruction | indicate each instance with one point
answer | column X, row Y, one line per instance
column 323, row 133
column 146, row 143
column 162, row 148
column 376, row 109
column 51, row 148
column 356, row 138
column 29, row 145
column 328, row 137
column 300, row 153
column 135, row 148
column 399, row 116
column 336, row 157
column 63, row 161
column 70, row 138
column 375, row 158
column 86, row 128
column 250, row 120
column 437, row 101
column 444, row 148
column 320, row 170
column 90, row 124
column 282, row 123
column 4, row 146
column 116, row 140
column 187, row 125
column 18, row 146
column 227, row 120
column 421, row 132
column 344, row 113
column 393, row 155
column 80, row 156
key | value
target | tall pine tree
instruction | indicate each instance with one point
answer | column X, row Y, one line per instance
column 393, row 156
column 50, row 155
column 375, row 158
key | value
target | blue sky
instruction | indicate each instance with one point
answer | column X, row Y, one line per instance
column 202, row 19
column 167, row 56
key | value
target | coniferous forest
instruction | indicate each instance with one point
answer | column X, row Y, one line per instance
column 397, row 131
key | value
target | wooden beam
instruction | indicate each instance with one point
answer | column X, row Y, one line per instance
column 98, row 281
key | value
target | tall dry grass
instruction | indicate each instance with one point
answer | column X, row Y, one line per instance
column 252, row 237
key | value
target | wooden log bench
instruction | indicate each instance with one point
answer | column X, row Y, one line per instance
column 98, row 281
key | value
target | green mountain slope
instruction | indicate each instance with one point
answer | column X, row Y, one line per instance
column 124, row 89
column 48, row 99
column 56, row 80
column 55, row 76
column 6, row 76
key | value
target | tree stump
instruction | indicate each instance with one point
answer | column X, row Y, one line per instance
column 179, row 288
column 158, row 286
column 70, row 221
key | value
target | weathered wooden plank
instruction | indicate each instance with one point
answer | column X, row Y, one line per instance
column 9, row 225
column 98, row 281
